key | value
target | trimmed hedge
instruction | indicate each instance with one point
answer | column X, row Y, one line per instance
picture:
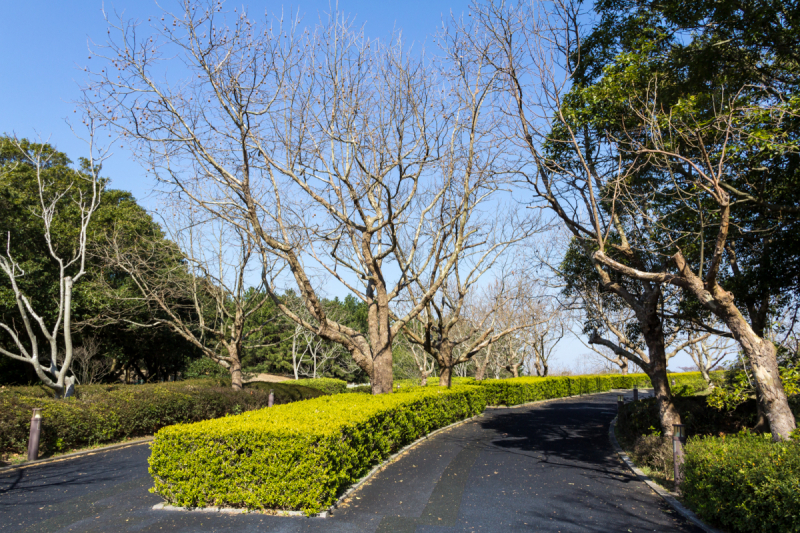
column 300, row 456
column 109, row 413
column 326, row 385
column 744, row 482
column 303, row 456
column 515, row 391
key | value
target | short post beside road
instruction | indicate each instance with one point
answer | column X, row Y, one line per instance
column 271, row 398
column 620, row 403
column 36, row 429
column 678, row 441
column 635, row 393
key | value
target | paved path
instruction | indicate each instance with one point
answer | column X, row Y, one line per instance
column 548, row 467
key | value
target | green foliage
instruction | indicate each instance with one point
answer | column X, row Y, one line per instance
column 530, row 389
column 158, row 351
column 285, row 391
column 303, row 456
column 744, row 483
column 326, row 385
column 205, row 368
column 269, row 349
column 109, row 413
column 736, row 387
column 639, row 419
column 731, row 392
column 433, row 381
column 299, row 456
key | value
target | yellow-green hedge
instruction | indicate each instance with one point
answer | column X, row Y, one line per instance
column 516, row 391
column 299, row 456
column 302, row 456
column 326, row 385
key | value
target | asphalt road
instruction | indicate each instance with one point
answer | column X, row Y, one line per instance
column 548, row 467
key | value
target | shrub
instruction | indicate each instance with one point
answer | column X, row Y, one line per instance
column 744, row 482
column 108, row 413
column 433, row 381
column 299, row 456
column 326, row 385
column 516, row 391
column 285, row 391
column 205, row 367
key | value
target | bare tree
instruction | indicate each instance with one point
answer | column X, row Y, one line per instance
column 336, row 154
column 544, row 336
column 83, row 193
column 86, row 366
column 708, row 354
column 455, row 329
column 568, row 168
column 199, row 287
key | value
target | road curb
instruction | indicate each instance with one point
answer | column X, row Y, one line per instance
column 73, row 455
column 658, row 489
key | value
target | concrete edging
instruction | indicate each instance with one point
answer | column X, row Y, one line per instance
column 74, row 455
column 658, row 489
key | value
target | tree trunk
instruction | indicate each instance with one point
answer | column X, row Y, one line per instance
column 236, row 375
column 770, row 394
column 762, row 356
column 537, row 365
column 760, row 352
column 445, row 376
column 623, row 366
column 668, row 414
column 513, row 369
column 382, row 374
column 425, row 374
column 480, row 373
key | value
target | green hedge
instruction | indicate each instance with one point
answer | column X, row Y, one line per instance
column 517, row 391
column 110, row 413
column 744, row 482
column 303, row 456
column 326, row 385
column 300, row 456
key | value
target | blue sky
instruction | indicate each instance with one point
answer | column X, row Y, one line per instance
column 45, row 46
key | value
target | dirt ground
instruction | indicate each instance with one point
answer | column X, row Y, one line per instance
column 268, row 378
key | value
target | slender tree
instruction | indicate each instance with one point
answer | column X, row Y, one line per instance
column 79, row 191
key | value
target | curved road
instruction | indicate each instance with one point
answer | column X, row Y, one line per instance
column 547, row 467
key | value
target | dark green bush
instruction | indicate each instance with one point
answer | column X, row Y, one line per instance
column 299, row 456
column 744, row 483
column 109, row 413
column 285, row 391
column 641, row 418
column 204, row 367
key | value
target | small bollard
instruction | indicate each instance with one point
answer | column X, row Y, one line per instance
column 36, row 429
column 635, row 393
column 271, row 398
column 620, row 402
column 678, row 440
